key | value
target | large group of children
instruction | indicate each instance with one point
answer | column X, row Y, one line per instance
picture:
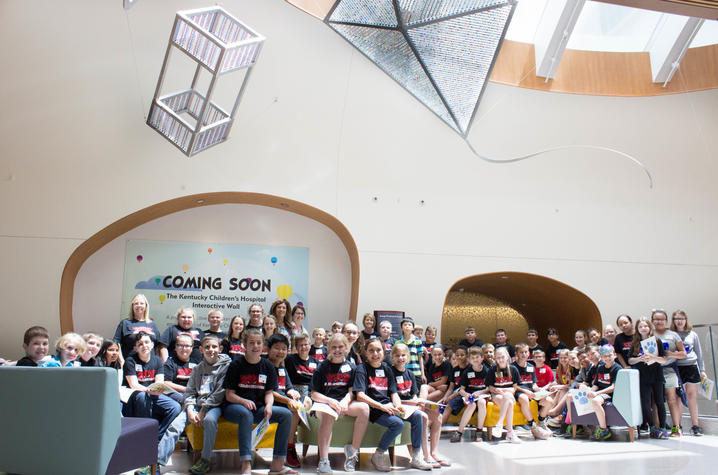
column 269, row 367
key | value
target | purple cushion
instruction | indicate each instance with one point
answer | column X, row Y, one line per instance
column 136, row 446
column 613, row 417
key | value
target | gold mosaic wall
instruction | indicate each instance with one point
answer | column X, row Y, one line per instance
column 485, row 314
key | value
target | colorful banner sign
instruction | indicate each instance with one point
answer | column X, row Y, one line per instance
column 204, row 276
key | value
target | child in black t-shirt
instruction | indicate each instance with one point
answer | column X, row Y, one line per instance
column 526, row 391
column 502, row 342
column 470, row 338
column 408, row 390
column 532, row 341
column 454, row 382
column 140, row 370
column 232, row 343
column 93, row 343
column 651, row 377
column 501, row 382
column 177, row 370
column 474, row 392
column 332, row 386
column 369, row 324
column 318, row 350
column 428, row 343
column 301, row 365
column 35, row 342
column 554, row 345
column 375, row 385
column 623, row 342
column 185, row 326
column 437, row 373
column 215, row 317
column 109, row 355
column 285, row 394
column 249, row 385
column 602, row 389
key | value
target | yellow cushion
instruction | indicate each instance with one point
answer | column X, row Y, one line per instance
column 226, row 436
column 492, row 415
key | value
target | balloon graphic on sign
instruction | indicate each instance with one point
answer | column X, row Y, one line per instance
column 224, row 261
column 139, row 258
column 162, row 298
column 209, row 250
column 185, row 267
column 284, row 291
column 274, row 260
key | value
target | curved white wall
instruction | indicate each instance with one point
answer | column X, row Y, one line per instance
column 321, row 125
column 97, row 293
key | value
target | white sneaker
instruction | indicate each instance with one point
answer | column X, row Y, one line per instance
column 379, row 460
column 496, row 432
column 418, row 462
column 512, row 437
column 538, row 433
column 324, row 466
column 542, row 425
column 352, row 458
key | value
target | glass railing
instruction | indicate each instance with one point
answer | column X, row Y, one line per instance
column 708, row 334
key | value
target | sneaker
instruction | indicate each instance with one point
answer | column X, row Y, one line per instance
column 292, row 457
column 496, row 432
column 676, row 431
column 605, row 434
column 538, row 433
column 542, row 425
column 324, row 466
column 478, row 436
column 525, row 427
column 554, row 422
column 352, row 458
column 644, row 430
column 656, row 433
column 144, row 471
column 418, row 462
column 380, row 463
column 455, row 437
column 696, row 431
column 512, row 437
column 597, row 433
column 201, row 467
column 580, row 430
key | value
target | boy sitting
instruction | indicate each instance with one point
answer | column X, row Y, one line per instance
column 470, row 338
column 177, row 370
column 36, row 342
column 318, row 349
column 203, row 397
column 602, row 389
column 525, row 392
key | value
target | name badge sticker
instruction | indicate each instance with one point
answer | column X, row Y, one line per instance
column 471, row 374
column 138, row 367
column 529, row 369
column 345, row 368
column 262, row 378
column 380, row 373
column 399, row 379
column 312, row 364
column 281, row 372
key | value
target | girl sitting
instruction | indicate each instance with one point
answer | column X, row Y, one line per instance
column 375, row 385
column 473, row 390
column 332, row 385
column 249, row 385
column 501, row 382
column 109, row 355
column 67, row 349
column 437, row 374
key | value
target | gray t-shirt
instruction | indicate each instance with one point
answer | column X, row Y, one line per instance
column 692, row 344
column 669, row 339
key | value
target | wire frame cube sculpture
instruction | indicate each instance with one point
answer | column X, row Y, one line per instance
column 219, row 44
column 441, row 51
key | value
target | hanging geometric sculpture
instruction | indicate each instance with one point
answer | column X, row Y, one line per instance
column 219, row 44
column 441, row 51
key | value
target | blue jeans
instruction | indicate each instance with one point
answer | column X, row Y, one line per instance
column 168, row 442
column 238, row 414
column 395, row 425
column 162, row 408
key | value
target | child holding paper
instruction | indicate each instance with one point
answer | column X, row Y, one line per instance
column 249, row 385
column 332, row 386
column 375, row 385
column 473, row 390
column 648, row 363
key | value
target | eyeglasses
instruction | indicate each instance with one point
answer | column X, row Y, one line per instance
column 184, row 346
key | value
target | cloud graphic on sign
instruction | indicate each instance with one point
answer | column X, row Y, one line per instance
column 153, row 283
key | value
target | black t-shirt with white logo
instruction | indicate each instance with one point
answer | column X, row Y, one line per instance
column 456, row 375
column 531, row 352
column 127, row 329
column 622, row 345
column 333, row 379
column 177, row 371
column 605, row 377
column 145, row 372
column 527, row 375
column 434, row 373
column 320, row 354
column 377, row 383
column 473, row 380
column 300, row 371
column 504, row 380
column 251, row 381
column 284, row 384
column 233, row 348
column 406, row 385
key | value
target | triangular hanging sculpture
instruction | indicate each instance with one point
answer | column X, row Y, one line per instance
column 441, row 51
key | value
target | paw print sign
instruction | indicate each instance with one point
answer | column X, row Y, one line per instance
column 581, row 397
column 651, row 348
column 580, row 400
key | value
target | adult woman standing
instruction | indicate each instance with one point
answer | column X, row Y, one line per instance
column 624, row 340
column 280, row 310
column 692, row 367
column 673, row 346
column 137, row 321
column 299, row 313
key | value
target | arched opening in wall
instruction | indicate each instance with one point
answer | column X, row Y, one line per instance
column 92, row 277
column 515, row 302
